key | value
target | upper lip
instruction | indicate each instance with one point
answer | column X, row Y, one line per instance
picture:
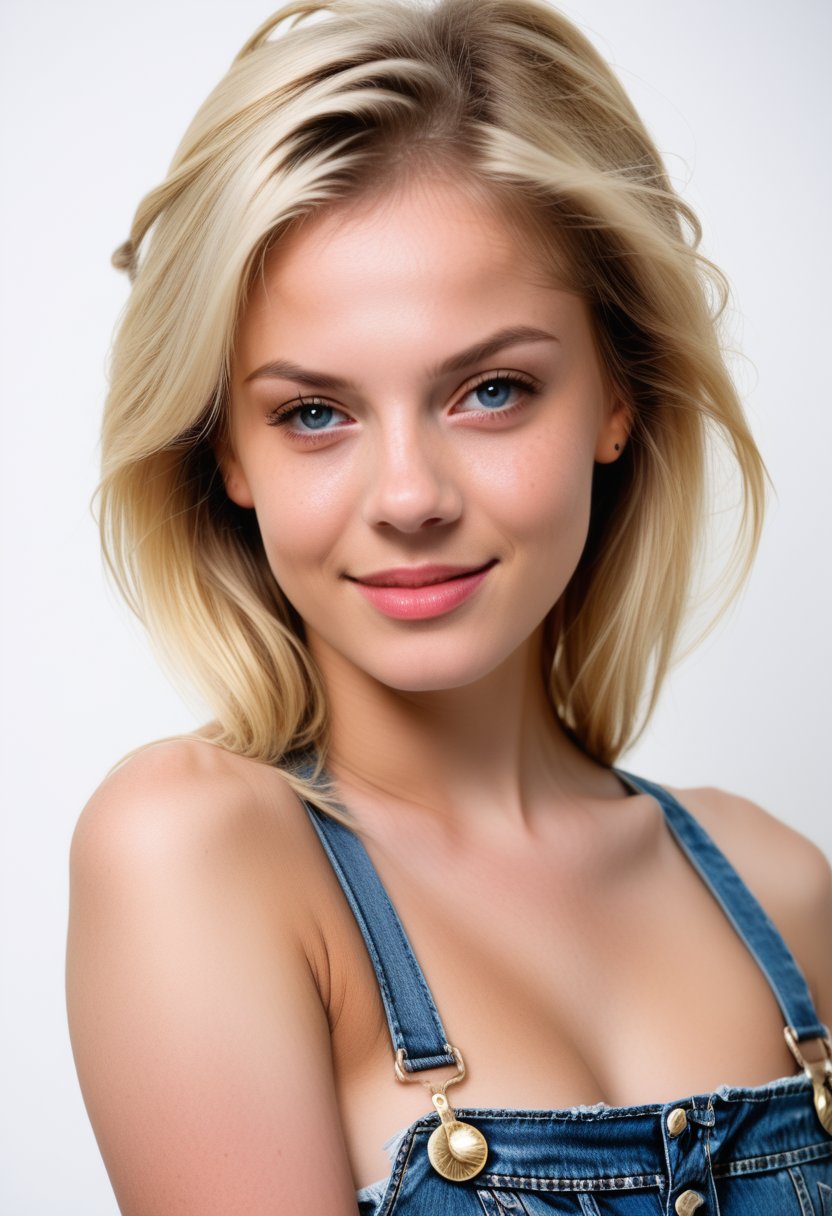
column 416, row 576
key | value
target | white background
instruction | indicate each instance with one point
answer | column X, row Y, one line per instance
column 95, row 98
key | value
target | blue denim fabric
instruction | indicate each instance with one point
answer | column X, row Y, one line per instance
column 757, row 1151
column 746, row 1152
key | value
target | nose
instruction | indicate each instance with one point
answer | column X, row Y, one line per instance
column 411, row 484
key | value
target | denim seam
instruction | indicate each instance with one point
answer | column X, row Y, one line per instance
column 747, row 1165
column 588, row 1205
column 795, row 1086
column 562, row 1115
column 791, row 1092
column 394, row 1182
column 790, row 1087
column 630, row 1182
column 807, row 1208
column 417, row 974
column 709, row 1161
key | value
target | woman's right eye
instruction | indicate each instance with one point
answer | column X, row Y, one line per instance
column 307, row 418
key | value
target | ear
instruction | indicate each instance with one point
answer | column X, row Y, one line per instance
column 614, row 431
column 234, row 479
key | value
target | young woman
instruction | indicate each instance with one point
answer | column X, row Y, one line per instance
column 405, row 459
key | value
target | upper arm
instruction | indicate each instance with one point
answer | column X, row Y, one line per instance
column 200, row 1040
column 788, row 873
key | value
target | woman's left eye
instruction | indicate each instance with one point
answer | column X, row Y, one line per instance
column 498, row 392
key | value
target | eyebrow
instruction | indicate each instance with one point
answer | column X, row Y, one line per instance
column 283, row 369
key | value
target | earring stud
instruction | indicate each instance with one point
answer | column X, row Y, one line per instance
column 617, row 447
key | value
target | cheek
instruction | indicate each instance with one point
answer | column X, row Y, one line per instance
column 544, row 493
column 301, row 511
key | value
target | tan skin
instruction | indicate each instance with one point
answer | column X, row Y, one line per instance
column 225, row 1019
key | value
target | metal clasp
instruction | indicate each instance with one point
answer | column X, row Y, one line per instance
column 818, row 1068
column 403, row 1075
column 456, row 1150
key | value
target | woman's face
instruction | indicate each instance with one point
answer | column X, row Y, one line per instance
column 411, row 404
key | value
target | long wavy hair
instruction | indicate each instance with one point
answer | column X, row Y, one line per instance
column 325, row 102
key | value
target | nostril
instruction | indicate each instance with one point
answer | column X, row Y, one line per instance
column 433, row 522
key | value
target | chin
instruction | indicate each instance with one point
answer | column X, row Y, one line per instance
column 436, row 672
column 442, row 682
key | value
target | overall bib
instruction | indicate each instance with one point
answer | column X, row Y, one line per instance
column 764, row 1150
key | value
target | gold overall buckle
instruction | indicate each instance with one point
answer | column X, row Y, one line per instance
column 817, row 1064
column 456, row 1150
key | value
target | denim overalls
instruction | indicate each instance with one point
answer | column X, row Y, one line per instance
column 756, row 1151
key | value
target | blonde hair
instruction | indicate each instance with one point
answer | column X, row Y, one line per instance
column 319, row 105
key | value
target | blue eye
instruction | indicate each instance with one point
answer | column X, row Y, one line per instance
column 314, row 417
column 307, row 418
column 500, row 392
column 494, row 394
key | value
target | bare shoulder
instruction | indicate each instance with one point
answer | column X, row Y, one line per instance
column 185, row 807
column 789, row 874
column 197, row 1027
column 784, row 864
column 184, row 819
column 180, row 788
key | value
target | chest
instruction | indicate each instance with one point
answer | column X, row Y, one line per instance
column 560, row 983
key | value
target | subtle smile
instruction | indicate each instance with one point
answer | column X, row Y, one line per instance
column 420, row 592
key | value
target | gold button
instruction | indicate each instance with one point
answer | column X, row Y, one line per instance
column 688, row 1202
column 677, row 1121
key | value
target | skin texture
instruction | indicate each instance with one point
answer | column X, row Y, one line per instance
column 225, row 1019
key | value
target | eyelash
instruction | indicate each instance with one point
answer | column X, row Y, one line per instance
column 284, row 414
column 529, row 389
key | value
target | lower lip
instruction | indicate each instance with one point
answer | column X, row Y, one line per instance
column 421, row 603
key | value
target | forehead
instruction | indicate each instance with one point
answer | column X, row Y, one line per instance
column 427, row 224
column 386, row 285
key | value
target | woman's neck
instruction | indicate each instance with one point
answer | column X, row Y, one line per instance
column 492, row 751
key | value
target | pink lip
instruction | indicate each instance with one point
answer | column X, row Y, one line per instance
column 417, row 593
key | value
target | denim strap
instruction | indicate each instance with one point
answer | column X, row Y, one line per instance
column 743, row 910
column 415, row 1026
